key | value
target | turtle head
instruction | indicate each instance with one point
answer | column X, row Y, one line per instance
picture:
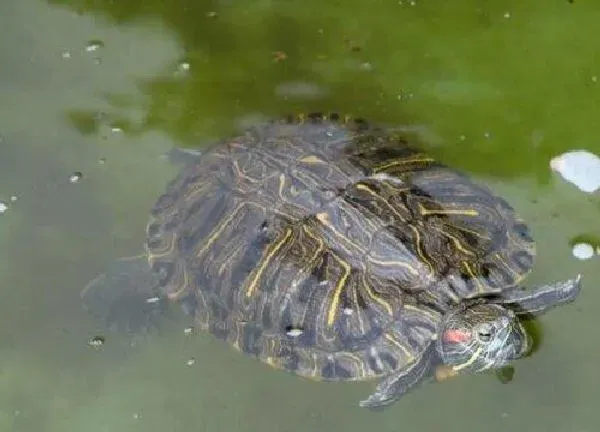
column 481, row 336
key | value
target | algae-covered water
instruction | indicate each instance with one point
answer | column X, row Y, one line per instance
column 94, row 92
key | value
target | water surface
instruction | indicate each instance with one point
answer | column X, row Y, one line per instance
column 106, row 88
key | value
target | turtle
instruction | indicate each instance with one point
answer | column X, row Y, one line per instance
column 338, row 250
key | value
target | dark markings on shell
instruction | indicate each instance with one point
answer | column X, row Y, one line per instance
column 325, row 248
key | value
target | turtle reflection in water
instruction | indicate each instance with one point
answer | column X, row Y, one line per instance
column 335, row 250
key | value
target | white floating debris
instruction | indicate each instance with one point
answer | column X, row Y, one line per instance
column 96, row 341
column 583, row 251
column 294, row 332
column 75, row 177
column 348, row 311
column 579, row 167
column 188, row 331
column 191, row 362
column 153, row 300
column 3, row 207
column 94, row 45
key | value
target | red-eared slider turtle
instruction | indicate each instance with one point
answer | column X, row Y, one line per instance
column 334, row 250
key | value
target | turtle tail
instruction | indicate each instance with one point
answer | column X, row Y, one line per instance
column 125, row 297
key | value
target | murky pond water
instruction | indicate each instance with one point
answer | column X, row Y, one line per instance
column 93, row 93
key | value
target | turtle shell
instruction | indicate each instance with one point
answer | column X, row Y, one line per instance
column 330, row 248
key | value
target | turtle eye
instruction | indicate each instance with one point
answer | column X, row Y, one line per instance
column 485, row 333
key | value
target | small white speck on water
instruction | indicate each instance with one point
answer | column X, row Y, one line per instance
column 94, row 45
column 152, row 300
column 487, row 135
column 96, row 341
column 75, row 177
column 136, row 416
column 329, row 133
column 3, row 207
column 102, row 161
column 116, row 129
column 323, row 283
column 506, row 15
column 594, row 78
column 211, row 14
column 13, row 198
column 583, row 251
column 404, row 96
column 191, row 362
column 366, row 66
column 348, row 311
column 65, row 54
column 188, row 330
column 462, row 137
column 183, row 69
column 294, row 332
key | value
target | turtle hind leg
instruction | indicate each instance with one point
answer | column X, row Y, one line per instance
column 125, row 297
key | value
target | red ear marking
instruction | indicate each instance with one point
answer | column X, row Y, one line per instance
column 456, row 336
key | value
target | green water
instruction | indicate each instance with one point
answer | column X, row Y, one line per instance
column 496, row 88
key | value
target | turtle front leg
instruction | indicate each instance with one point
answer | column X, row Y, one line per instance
column 394, row 386
column 542, row 298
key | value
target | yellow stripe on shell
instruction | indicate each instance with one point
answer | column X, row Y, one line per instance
column 471, row 273
column 404, row 161
column 266, row 261
column 217, row 232
column 465, row 212
column 375, row 297
column 410, row 357
column 335, row 298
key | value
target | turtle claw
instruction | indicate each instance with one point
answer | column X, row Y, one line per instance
column 376, row 402
column 505, row 374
